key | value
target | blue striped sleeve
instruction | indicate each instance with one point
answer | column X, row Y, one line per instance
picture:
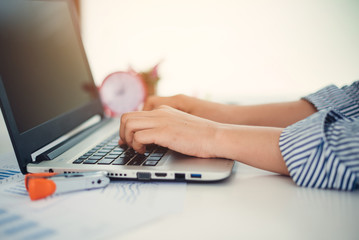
column 322, row 151
column 344, row 100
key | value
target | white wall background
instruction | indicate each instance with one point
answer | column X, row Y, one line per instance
column 227, row 50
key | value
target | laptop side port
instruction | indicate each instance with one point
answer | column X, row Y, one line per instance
column 143, row 176
column 161, row 174
column 180, row 176
column 196, row 175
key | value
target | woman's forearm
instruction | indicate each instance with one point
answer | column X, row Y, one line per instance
column 274, row 114
column 255, row 146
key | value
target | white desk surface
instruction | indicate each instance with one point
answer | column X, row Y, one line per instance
column 255, row 204
column 252, row 204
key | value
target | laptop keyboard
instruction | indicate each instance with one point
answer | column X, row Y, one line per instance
column 109, row 152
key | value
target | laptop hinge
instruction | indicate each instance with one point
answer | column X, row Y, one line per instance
column 61, row 147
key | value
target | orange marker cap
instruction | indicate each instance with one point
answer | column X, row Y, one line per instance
column 30, row 176
column 40, row 188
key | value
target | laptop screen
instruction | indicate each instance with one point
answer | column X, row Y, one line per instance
column 42, row 66
column 46, row 86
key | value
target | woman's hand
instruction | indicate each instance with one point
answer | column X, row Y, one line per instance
column 201, row 108
column 181, row 102
column 195, row 136
column 171, row 128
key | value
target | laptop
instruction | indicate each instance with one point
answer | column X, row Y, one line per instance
column 53, row 111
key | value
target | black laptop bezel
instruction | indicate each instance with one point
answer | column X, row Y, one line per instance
column 26, row 143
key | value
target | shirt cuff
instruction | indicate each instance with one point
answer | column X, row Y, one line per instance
column 308, row 156
column 339, row 99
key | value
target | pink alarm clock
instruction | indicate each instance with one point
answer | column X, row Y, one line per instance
column 122, row 92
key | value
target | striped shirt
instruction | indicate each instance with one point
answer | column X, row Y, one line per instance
column 322, row 150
